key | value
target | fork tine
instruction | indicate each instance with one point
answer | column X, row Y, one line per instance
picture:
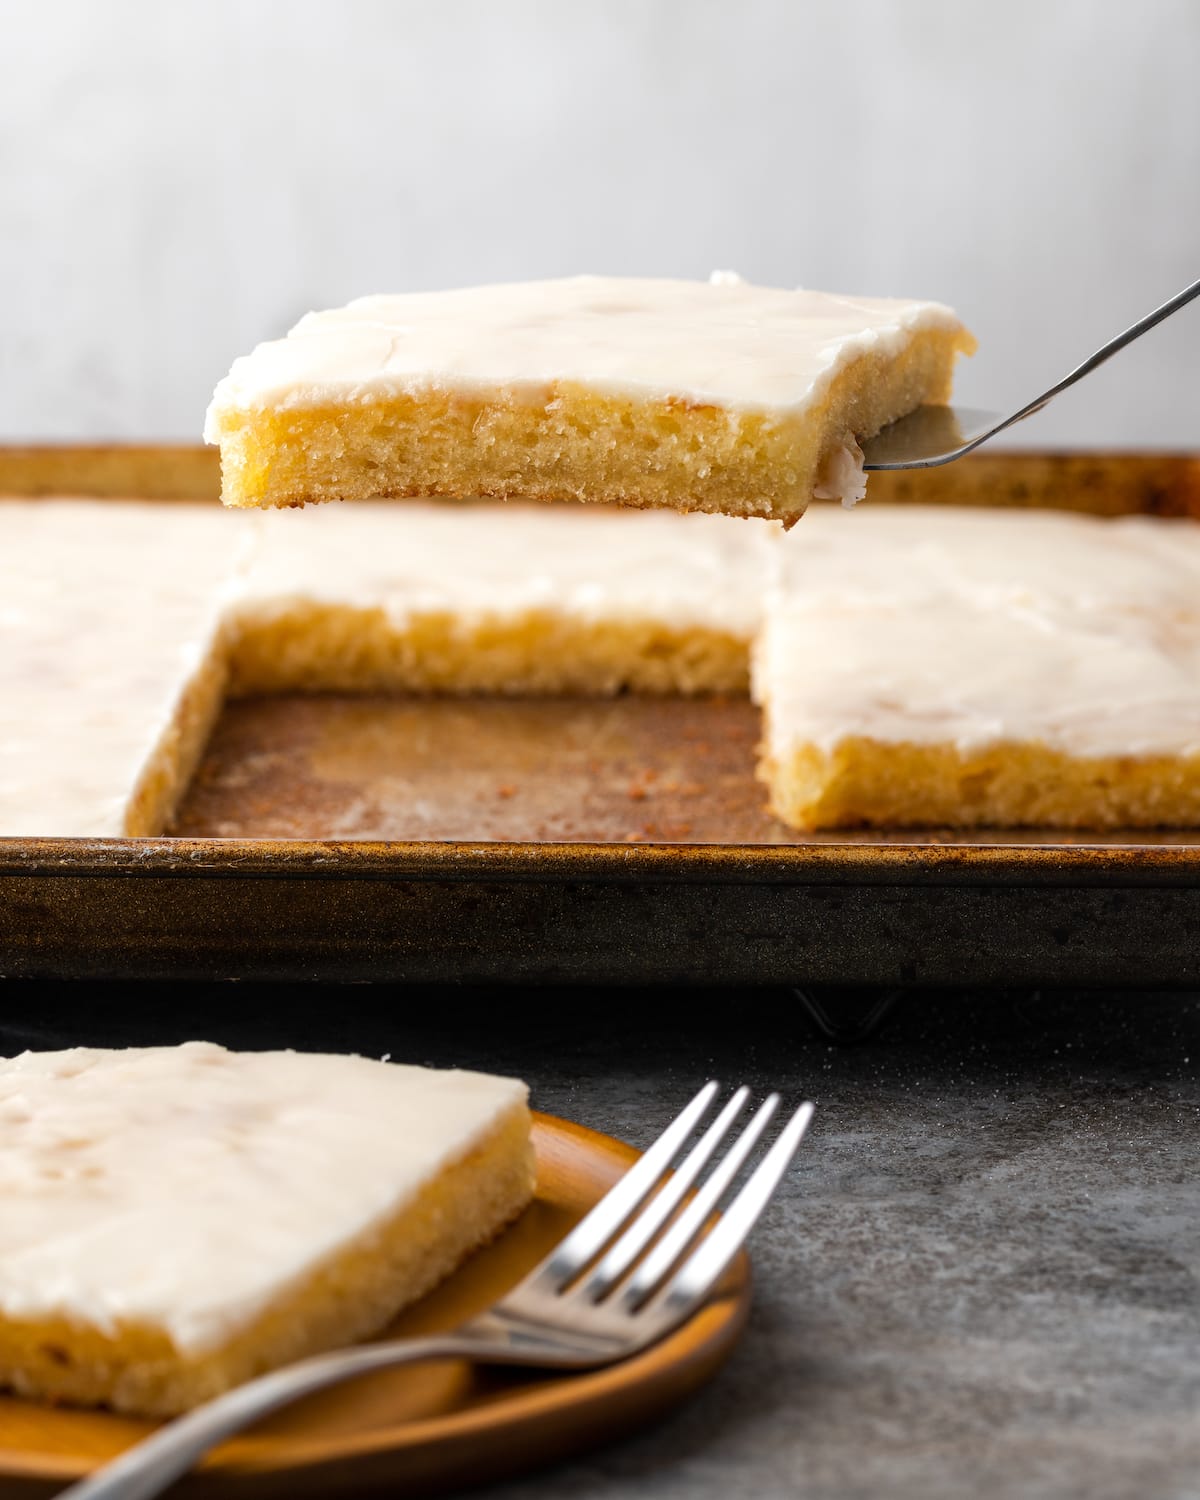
column 646, row 1224
column 591, row 1234
column 689, row 1223
column 700, row 1272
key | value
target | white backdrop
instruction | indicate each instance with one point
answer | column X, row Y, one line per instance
column 180, row 179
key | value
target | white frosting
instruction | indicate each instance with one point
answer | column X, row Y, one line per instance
column 490, row 562
column 897, row 554
column 107, row 611
column 721, row 342
column 186, row 1187
column 977, row 628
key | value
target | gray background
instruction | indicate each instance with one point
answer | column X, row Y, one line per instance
column 180, row 180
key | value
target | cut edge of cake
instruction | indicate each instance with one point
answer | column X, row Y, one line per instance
column 176, row 754
column 301, row 645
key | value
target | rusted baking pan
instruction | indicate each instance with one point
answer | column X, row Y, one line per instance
column 599, row 841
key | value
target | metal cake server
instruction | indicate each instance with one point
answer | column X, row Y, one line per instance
column 934, row 435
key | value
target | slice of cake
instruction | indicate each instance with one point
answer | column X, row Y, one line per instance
column 177, row 1220
column 499, row 599
column 931, row 667
column 112, row 670
column 712, row 396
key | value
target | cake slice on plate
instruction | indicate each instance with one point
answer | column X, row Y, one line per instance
column 179, row 1219
column 929, row 667
column 712, row 396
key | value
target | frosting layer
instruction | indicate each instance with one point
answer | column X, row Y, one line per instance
column 722, row 342
column 969, row 628
column 483, row 563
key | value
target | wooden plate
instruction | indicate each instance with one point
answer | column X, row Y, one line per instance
column 432, row 1426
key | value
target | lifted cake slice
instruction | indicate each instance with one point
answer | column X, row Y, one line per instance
column 179, row 1219
column 712, row 396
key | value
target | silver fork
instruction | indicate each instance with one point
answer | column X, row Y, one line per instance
column 934, row 435
column 637, row 1266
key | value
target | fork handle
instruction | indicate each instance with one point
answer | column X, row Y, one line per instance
column 150, row 1466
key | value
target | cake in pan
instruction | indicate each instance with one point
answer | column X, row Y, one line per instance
column 180, row 1219
column 124, row 625
column 112, row 660
column 926, row 667
column 710, row 396
column 915, row 666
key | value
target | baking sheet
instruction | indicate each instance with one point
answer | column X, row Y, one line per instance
column 610, row 841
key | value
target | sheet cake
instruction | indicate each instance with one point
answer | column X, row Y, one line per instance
column 124, row 626
column 916, row 666
column 921, row 666
column 112, row 667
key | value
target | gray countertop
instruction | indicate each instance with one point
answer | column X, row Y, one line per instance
column 983, row 1277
